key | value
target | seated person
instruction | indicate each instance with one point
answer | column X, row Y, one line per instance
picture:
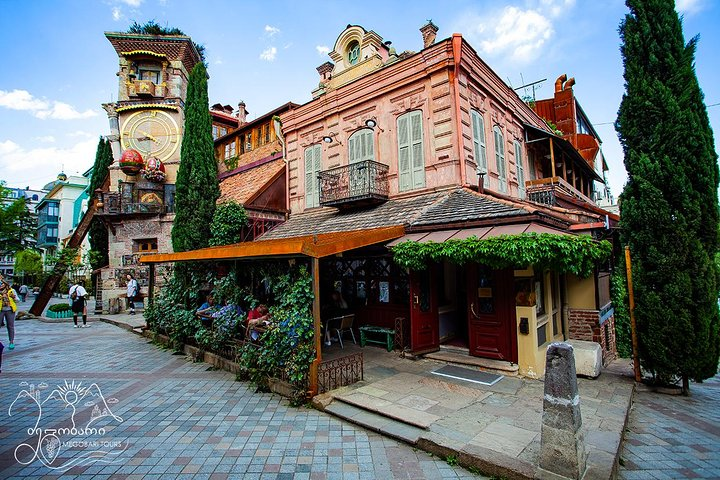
column 207, row 308
column 336, row 308
column 258, row 317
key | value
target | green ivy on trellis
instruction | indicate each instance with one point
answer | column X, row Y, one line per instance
column 577, row 254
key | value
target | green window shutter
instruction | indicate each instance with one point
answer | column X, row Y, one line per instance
column 520, row 170
column 404, row 154
column 352, row 158
column 500, row 159
column 418, row 159
column 367, row 145
column 318, row 168
column 309, row 184
column 478, row 126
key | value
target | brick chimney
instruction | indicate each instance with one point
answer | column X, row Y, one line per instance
column 325, row 71
column 429, row 32
column 241, row 112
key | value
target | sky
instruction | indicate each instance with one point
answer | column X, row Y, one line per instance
column 58, row 68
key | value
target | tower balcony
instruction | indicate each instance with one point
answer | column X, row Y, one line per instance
column 137, row 199
column 358, row 184
column 145, row 88
column 548, row 191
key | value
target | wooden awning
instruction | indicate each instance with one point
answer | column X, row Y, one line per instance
column 440, row 236
column 316, row 246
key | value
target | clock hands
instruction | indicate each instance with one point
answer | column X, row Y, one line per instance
column 148, row 137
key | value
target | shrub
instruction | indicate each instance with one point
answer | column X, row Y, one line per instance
column 59, row 307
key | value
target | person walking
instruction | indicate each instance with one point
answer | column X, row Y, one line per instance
column 132, row 292
column 8, row 307
column 78, row 296
column 23, row 292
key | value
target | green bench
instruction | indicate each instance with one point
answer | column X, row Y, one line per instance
column 388, row 333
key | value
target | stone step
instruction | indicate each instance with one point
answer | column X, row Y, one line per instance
column 385, row 408
column 489, row 365
column 375, row 422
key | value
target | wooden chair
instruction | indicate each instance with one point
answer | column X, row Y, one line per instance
column 346, row 325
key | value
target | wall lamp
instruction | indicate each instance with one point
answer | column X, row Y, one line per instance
column 330, row 138
column 372, row 123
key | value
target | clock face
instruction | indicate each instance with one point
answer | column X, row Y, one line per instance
column 152, row 133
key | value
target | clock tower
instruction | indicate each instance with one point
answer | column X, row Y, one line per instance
column 146, row 128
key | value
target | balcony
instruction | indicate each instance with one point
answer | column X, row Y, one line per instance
column 138, row 199
column 358, row 184
column 145, row 88
column 548, row 191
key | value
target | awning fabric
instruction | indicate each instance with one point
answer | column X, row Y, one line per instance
column 316, row 246
column 481, row 233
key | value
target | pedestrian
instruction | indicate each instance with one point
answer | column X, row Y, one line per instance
column 78, row 300
column 132, row 292
column 23, row 292
column 8, row 307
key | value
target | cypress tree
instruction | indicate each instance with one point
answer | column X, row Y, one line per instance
column 197, row 187
column 669, row 207
column 98, row 231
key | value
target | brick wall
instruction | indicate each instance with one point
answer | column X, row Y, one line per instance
column 585, row 325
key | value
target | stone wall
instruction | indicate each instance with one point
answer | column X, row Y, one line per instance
column 585, row 325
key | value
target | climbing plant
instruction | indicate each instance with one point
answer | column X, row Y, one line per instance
column 562, row 253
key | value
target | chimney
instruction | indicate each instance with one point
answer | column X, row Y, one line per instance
column 429, row 32
column 325, row 71
column 241, row 112
column 559, row 83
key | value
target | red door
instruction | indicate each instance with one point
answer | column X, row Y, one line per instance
column 424, row 321
column 491, row 313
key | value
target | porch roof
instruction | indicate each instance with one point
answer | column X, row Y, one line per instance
column 317, row 246
column 440, row 236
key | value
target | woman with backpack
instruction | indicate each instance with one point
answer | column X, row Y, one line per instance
column 79, row 303
column 132, row 292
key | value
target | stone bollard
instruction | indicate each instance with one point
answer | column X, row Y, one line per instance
column 562, row 447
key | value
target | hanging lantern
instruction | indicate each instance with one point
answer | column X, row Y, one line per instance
column 154, row 170
column 131, row 162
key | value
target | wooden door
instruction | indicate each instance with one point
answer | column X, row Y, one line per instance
column 424, row 320
column 491, row 313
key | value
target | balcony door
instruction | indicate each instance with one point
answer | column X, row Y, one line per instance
column 360, row 150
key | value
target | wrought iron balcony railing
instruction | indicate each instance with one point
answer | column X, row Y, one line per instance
column 361, row 183
column 113, row 204
column 545, row 190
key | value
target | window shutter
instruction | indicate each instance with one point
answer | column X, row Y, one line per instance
column 318, row 168
column 500, row 159
column 418, row 159
column 369, row 147
column 404, row 154
column 351, row 149
column 309, row 184
column 520, row 170
column 479, row 143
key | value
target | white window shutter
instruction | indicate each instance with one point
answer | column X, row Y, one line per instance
column 351, row 149
column 318, row 168
column 520, row 170
column 404, row 154
column 418, row 158
column 478, row 126
column 309, row 184
column 500, row 159
column 369, row 142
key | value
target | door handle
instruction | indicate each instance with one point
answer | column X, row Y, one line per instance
column 416, row 299
column 472, row 309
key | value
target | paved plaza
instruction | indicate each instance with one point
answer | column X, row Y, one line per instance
column 166, row 417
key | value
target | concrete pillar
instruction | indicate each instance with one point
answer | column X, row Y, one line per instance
column 562, row 448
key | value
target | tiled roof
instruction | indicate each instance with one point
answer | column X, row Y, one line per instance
column 242, row 186
column 462, row 205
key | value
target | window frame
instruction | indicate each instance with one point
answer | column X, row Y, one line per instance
column 415, row 173
column 480, row 144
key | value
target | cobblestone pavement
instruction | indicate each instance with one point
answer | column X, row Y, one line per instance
column 165, row 417
column 674, row 436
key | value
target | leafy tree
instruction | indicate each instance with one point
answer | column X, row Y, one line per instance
column 669, row 207
column 28, row 263
column 151, row 27
column 197, row 187
column 98, row 231
column 228, row 223
column 17, row 224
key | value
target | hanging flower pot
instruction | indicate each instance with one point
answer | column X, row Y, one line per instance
column 131, row 162
column 154, row 170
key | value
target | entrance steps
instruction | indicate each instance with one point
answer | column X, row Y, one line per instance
column 452, row 355
column 382, row 422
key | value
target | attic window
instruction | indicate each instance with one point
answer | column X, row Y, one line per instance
column 353, row 53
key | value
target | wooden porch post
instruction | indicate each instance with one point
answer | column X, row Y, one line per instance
column 552, row 157
column 151, row 283
column 315, row 270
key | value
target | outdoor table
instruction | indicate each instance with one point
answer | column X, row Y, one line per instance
column 377, row 331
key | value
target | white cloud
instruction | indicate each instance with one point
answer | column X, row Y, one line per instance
column 555, row 8
column 689, row 7
column 46, row 139
column 41, row 108
column 521, row 33
column 322, row 49
column 117, row 14
column 21, row 100
column 81, row 133
column 132, row 3
column 39, row 165
column 271, row 31
column 268, row 54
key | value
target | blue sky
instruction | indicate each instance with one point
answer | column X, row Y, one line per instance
column 58, row 68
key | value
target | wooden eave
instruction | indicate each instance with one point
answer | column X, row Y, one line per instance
column 315, row 246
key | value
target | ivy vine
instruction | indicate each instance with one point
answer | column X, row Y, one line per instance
column 562, row 253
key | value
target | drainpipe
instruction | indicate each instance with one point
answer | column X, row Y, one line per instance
column 277, row 125
column 455, row 85
column 315, row 271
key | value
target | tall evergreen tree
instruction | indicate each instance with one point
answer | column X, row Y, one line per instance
column 669, row 207
column 98, row 231
column 196, row 188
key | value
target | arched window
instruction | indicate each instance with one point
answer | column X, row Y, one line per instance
column 500, row 159
column 313, row 164
column 520, row 169
column 353, row 53
column 478, row 129
column 360, row 146
column 411, row 160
